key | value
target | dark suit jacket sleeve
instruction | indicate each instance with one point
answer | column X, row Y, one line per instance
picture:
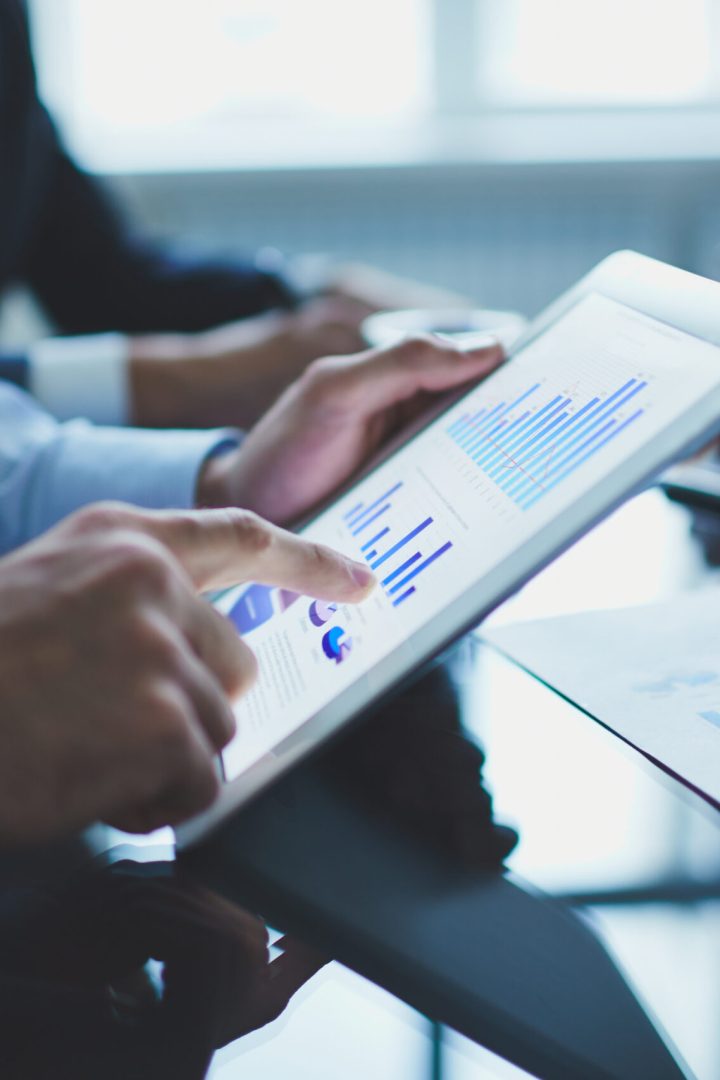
column 91, row 274
column 63, row 235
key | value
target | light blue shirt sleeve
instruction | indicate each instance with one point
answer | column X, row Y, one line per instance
column 48, row 469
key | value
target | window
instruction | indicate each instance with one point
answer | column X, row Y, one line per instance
column 152, row 63
column 217, row 83
column 570, row 52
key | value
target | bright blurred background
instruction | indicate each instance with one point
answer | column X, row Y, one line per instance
column 497, row 147
column 500, row 147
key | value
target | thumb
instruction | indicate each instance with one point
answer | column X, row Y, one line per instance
column 383, row 377
column 218, row 548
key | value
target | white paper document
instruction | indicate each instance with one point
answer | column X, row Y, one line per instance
column 651, row 674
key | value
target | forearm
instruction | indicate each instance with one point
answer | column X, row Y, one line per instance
column 206, row 379
column 48, row 470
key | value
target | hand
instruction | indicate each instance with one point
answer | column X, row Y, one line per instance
column 217, row 965
column 115, row 678
column 96, row 933
column 328, row 423
column 233, row 374
column 216, row 961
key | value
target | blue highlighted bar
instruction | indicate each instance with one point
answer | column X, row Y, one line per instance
column 503, row 438
column 460, row 429
column 593, row 420
column 512, row 440
column 419, row 569
column 554, row 417
column 496, row 415
column 605, row 409
column 515, row 464
column 371, row 543
column 580, row 461
column 371, row 555
column 398, row 602
column 467, row 418
column 458, row 423
column 566, row 430
column 535, row 423
column 528, row 487
column 361, row 528
column 527, row 455
column 401, row 569
column 476, row 429
column 401, row 543
column 481, row 442
column 355, row 521
column 353, row 512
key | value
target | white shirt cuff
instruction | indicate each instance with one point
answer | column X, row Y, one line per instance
column 82, row 377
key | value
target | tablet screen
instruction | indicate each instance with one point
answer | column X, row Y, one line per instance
column 436, row 517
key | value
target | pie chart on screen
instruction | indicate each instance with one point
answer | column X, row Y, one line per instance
column 337, row 645
column 322, row 612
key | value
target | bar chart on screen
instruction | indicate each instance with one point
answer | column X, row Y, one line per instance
column 529, row 445
column 399, row 544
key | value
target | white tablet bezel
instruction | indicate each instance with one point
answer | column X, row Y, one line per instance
column 682, row 300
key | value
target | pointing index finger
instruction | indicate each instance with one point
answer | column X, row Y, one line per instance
column 218, row 548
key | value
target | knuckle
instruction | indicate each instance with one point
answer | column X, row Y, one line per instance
column 102, row 518
column 318, row 380
column 252, row 533
column 165, row 721
column 152, row 641
column 320, row 558
column 136, row 564
column 247, row 670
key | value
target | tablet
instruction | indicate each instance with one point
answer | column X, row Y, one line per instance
column 608, row 386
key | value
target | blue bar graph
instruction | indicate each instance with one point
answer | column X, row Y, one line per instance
column 401, row 569
column 419, row 569
column 401, row 543
column 527, row 453
column 354, row 517
column 378, row 513
column 354, row 511
column 389, row 545
column 608, row 438
column 598, row 418
column 376, row 539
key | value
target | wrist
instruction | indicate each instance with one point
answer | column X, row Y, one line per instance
column 160, row 379
column 215, row 487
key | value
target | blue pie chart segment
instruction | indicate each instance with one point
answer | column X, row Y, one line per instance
column 337, row 645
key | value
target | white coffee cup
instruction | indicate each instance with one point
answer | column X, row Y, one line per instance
column 459, row 325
